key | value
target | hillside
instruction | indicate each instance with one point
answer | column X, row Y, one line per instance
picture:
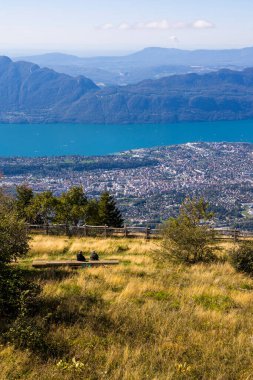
column 149, row 63
column 140, row 320
column 31, row 94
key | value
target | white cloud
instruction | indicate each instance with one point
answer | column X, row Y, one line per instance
column 124, row 26
column 159, row 25
column 107, row 26
column 202, row 24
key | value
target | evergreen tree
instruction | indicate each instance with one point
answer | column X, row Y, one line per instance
column 92, row 217
column 109, row 214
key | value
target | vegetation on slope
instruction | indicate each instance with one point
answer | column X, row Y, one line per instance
column 140, row 320
column 30, row 94
column 148, row 318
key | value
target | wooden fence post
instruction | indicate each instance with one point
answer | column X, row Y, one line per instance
column 148, row 233
column 236, row 236
column 125, row 230
column 105, row 231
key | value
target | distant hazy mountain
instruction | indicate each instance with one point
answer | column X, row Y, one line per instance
column 31, row 94
column 150, row 63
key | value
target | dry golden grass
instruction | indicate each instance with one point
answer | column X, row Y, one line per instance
column 142, row 319
column 48, row 247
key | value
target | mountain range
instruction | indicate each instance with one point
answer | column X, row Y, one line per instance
column 150, row 63
column 30, row 94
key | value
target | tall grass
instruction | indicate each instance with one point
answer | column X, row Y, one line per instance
column 141, row 319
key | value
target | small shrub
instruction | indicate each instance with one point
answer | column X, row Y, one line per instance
column 15, row 290
column 186, row 238
column 27, row 333
column 242, row 258
column 217, row 302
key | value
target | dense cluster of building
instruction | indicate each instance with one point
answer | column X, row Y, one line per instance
column 149, row 184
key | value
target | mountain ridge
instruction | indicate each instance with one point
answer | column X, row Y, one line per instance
column 29, row 94
column 149, row 63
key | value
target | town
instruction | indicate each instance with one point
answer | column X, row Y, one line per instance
column 149, row 184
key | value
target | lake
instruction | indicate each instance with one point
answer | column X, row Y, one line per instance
column 69, row 139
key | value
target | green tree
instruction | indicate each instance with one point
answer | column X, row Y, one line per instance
column 24, row 198
column 13, row 233
column 72, row 206
column 13, row 244
column 109, row 214
column 42, row 209
column 188, row 238
column 92, row 217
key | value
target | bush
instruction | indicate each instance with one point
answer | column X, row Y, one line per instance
column 188, row 238
column 242, row 257
column 32, row 334
column 15, row 290
column 13, row 234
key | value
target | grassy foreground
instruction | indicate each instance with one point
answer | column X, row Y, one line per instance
column 141, row 320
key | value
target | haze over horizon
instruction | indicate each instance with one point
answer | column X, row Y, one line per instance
column 113, row 27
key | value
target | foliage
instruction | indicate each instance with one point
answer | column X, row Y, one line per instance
column 15, row 291
column 26, row 334
column 72, row 206
column 31, row 333
column 188, row 238
column 242, row 257
column 108, row 212
column 24, row 198
column 43, row 208
column 13, row 234
column 165, row 324
column 92, row 216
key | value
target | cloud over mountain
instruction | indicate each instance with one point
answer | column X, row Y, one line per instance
column 163, row 24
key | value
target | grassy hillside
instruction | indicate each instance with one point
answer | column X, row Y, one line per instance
column 141, row 320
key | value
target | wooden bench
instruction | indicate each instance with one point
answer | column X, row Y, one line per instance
column 73, row 263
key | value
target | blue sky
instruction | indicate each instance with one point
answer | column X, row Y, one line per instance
column 120, row 25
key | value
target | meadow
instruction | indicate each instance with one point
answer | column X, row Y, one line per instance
column 144, row 319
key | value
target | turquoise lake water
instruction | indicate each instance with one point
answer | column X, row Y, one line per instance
column 70, row 139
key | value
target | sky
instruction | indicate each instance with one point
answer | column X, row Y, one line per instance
column 91, row 27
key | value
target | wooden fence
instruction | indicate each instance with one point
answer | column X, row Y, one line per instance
column 127, row 231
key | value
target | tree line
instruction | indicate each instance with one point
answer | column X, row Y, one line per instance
column 70, row 208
